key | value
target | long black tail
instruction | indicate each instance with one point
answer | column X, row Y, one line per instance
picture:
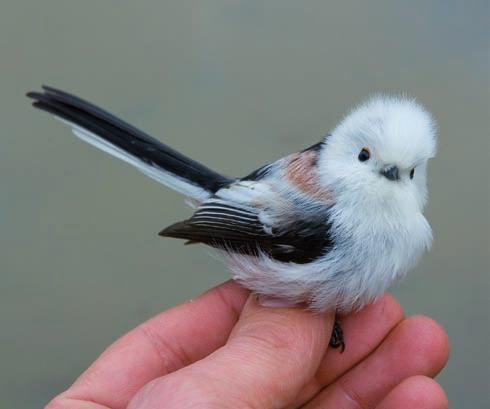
column 111, row 134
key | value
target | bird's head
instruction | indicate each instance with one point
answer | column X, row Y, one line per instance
column 378, row 154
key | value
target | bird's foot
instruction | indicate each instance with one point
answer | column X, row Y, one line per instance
column 337, row 338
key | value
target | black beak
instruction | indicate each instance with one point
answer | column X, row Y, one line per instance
column 391, row 173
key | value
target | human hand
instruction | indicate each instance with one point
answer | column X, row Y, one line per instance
column 223, row 350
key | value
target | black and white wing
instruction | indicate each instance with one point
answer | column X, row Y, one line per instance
column 248, row 229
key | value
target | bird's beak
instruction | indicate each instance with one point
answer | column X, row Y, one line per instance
column 391, row 173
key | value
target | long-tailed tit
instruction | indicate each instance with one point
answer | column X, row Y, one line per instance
column 331, row 226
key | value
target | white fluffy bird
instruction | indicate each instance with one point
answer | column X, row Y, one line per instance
column 331, row 226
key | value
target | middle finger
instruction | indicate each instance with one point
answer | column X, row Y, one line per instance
column 364, row 331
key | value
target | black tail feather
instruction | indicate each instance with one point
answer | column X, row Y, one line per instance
column 126, row 137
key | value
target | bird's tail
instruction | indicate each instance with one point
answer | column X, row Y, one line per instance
column 116, row 137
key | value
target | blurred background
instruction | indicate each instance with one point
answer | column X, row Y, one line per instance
column 234, row 84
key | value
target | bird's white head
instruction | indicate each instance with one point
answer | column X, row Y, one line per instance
column 378, row 154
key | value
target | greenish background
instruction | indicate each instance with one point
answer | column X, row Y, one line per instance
column 234, row 84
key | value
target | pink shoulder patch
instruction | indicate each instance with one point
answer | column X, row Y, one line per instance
column 301, row 172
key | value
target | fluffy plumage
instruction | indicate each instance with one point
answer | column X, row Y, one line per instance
column 325, row 226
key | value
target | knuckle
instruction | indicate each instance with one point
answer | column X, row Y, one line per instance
column 273, row 334
column 172, row 356
column 350, row 395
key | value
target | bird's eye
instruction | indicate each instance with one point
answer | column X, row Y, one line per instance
column 412, row 172
column 364, row 155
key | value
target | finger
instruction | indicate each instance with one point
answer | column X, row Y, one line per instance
column 417, row 346
column 363, row 331
column 418, row 392
column 165, row 343
column 269, row 357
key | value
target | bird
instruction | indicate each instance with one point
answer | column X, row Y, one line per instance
column 331, row 226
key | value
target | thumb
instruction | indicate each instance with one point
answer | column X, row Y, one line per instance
column 270, row 355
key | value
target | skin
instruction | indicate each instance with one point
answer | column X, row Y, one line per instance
column 224, row 350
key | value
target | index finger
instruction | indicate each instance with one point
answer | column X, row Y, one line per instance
column 165, row 343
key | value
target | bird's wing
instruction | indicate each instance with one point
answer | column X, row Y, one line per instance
column 246, row 218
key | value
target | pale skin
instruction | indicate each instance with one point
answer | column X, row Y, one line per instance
column 224, row 350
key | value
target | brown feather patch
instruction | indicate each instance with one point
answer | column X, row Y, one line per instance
column 301, row 171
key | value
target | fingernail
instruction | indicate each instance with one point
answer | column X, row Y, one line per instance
column 274, row 302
